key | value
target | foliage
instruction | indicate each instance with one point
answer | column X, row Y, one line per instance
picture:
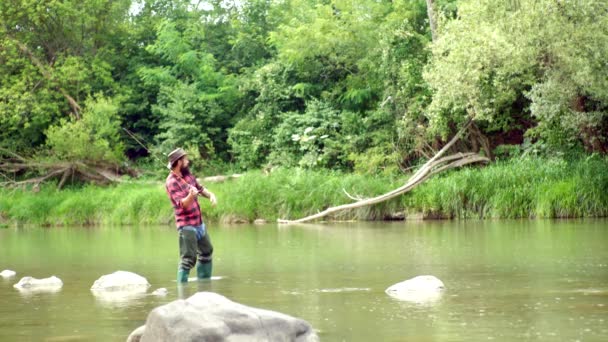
column 518, row 188
column 333, row 84
column 93, row 138
column 497, row 60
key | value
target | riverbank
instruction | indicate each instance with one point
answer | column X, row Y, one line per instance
column 519, row 188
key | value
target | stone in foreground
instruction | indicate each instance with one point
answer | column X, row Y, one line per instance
column 208, row 316
column 420, row 289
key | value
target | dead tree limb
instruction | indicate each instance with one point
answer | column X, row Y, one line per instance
column 430, row 168
column 95, row 173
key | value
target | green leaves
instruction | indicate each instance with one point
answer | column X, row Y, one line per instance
column 94, row 138
column 544, row 54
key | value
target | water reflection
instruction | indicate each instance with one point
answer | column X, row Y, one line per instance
column 28, row 292
column 119, row 298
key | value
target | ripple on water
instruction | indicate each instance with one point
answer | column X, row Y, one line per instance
column 343, row 289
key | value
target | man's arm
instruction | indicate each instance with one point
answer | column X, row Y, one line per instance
column 208, row 194
column 177, row 194
column 187, row 201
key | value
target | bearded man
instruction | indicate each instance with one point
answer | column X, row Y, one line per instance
column 194, row 241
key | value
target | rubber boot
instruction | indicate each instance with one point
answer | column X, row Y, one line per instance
column 182, row 275
column 203, row 270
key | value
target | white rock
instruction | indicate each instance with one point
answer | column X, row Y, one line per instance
column 136, row 334
column 208, row 316
column 421, row 289
column 121, row 281
column 7, row 274
column 120, row 288
column 160, row 292
column 30, row 283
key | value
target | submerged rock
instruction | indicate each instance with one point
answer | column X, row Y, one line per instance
column 7, row 274
column 421, row 289
column 207, row 316
column 32, row 283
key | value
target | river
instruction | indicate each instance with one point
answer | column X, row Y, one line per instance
column 505, row 280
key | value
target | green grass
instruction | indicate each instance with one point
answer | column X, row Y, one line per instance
column 519, row 188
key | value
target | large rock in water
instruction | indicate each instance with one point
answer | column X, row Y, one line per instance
column 420, row 289
column 121, row 281
column 120, row 288
column 208, row 316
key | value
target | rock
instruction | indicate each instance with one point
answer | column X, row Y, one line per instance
column 136, row 334
column 33, row 285
column 414, row 216
column 7, row 274
column 207, row 316
column 260, row 221
column 233, row 219
column 31, row 282
column 421, row 289
column 396, row 216
column 120, row 281
column 120, row 288
column 160, row 292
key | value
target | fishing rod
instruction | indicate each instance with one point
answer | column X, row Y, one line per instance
column 132, row 135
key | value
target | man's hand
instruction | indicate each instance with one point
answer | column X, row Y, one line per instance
column 212, row 199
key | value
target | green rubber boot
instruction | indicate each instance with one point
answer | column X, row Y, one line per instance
column 182, row 275
column 203, row 270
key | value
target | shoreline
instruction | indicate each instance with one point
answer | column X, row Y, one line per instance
column 530, row 188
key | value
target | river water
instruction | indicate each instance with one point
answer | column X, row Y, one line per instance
column 538, row 280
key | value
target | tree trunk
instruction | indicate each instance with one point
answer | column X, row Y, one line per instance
column 430, row 9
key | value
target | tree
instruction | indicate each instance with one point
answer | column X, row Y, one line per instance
column 503, row 63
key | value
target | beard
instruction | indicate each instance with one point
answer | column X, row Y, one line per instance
column 185, row 170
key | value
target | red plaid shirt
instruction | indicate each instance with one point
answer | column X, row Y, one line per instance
column 177, row 189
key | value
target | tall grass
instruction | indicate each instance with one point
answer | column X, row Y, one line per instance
column 521, row 188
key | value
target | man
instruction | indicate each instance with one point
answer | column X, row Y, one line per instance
column 194, row 241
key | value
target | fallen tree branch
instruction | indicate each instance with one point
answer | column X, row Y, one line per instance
column 412, row 183
column 96, row 173
column 352, row 197
column 430, row 168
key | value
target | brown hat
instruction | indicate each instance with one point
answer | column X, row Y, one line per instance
column 174, row 156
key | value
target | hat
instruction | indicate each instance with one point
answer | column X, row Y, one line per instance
column 174, row 156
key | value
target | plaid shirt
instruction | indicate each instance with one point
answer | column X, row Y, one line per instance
column 177, row 189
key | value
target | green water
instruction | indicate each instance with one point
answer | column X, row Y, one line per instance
column 505, row 280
